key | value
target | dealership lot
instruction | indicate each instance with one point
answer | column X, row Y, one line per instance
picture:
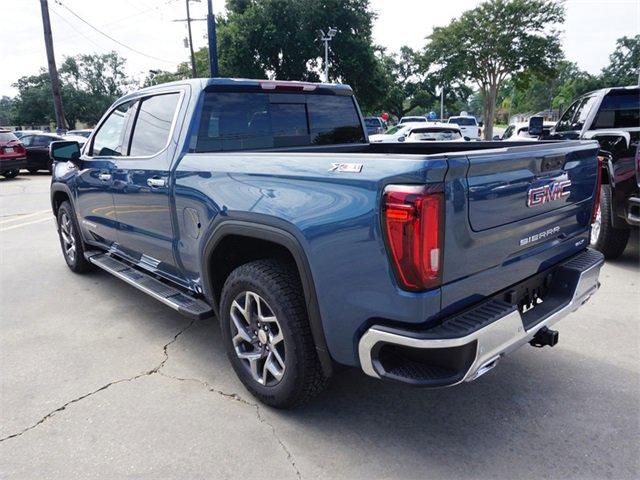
column 99, row 380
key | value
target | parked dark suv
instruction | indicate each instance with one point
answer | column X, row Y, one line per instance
column 611, row 116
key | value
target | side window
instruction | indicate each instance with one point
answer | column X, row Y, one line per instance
column 153, row 124
column 566, row 121
column 41, row 141
column 27, row 140
column 508, row 132
column 108, row 140
column 583, row 112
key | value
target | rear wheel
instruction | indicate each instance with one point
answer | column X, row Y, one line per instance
column 267, row 335
column 72, row 245
column 11, row 173
column 605, row 237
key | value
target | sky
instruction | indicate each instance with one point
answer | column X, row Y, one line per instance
column 148, row 27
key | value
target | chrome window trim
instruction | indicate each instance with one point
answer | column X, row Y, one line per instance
column 142, row 96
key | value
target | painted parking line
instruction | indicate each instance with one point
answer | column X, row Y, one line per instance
column 11, row 227
column 18, row 218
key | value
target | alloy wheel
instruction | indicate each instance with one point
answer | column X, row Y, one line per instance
column 257, row 338
column 68, row 240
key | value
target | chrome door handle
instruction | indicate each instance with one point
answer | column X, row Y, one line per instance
column 105, row 177
column 156, row 182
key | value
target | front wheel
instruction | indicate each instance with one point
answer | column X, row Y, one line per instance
column 267, row 336
column 70, row 240
column 605, row 237
column 11, row 174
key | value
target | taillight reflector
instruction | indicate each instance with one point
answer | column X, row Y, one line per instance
column 413, row 223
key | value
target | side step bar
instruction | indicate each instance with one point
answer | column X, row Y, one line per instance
column 168, row 295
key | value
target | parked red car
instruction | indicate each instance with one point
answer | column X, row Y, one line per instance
column 13, row 155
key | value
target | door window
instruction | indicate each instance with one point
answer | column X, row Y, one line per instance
column 109, row 140
column 153, row 125
column 566, row 121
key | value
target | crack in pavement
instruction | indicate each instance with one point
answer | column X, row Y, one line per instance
column 238, row 398
column 165, row 350
column 104, row 387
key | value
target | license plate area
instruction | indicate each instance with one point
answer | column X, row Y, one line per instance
column 8, row 150
column 529, row 294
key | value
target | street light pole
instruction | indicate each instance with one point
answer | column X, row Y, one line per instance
column 442, row 104
column 331, row 32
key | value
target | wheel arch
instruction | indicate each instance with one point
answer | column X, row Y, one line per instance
column 59, row 193
column 282, row 239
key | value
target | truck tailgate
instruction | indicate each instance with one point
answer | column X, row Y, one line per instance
column 521, row 183
column 514, row 212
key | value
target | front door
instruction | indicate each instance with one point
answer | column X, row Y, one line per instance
column 94, row 181
column 141, row 187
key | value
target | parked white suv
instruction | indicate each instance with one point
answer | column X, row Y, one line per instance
column 468, row 125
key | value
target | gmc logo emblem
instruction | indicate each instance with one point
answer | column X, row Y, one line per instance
column 548, row 193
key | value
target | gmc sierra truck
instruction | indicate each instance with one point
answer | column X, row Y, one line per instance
column 612, row 117
column 262, row 203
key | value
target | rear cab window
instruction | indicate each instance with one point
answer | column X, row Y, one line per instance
column 619, row 109
column 262, row 120
column 463, row 121
column 7, row 137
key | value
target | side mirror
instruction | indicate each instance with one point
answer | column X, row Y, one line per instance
column 481, row 124
column 497, row 137
column 536, row 126
column 467, row 139
column 64, row 151
column 402, row 139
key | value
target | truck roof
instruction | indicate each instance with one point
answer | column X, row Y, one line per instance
column 264, row 84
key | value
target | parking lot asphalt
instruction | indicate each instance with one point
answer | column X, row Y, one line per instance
column 100, row 381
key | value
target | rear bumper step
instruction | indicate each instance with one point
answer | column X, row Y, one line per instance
column 173, row 297
column 469, row 344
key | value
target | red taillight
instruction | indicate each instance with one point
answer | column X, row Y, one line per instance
column 596, row 197
column 412, row 217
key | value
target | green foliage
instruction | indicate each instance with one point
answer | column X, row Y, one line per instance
column 7, row 111
column 495, row 41
column 624, row 62
column 279, row 39
column 89, row 84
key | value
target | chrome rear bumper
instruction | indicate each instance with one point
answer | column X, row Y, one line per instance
column 455, row 354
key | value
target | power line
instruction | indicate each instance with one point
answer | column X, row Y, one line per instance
column 58, row 2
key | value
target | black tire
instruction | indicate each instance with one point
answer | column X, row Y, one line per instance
column 69, row 233
column 607, row 239
column 11, row 174
column 277, row 283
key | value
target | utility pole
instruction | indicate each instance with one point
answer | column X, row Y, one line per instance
column 331, row 32
column 53, row 71
column 442, row 104
column 213, row 46
column 193, row 57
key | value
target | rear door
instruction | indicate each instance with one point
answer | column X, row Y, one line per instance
column 141, row 189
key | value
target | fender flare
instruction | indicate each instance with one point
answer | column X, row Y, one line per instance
column 59, row 187
column 279, row 232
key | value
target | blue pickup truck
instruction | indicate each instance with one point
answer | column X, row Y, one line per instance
column 262, row 203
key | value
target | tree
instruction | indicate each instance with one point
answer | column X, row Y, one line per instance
column 407, row 88
column 7, row 110
column 89, row 83
column 279, row 39
column 495, row 41
column 624, row 63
